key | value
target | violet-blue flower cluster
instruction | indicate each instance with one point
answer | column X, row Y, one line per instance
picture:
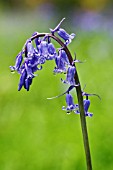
column 39, row 49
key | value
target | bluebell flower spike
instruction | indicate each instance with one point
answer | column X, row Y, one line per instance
column 29, row 50
column 34, row 55
column 45, row 50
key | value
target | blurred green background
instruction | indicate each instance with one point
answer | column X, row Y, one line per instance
column 35, row 134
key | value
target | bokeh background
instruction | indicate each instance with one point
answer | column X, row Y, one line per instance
column 35, row 134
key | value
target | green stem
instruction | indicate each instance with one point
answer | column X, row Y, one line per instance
column 83, row 125
column 80, row 99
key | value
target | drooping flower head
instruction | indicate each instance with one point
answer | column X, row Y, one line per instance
column 32, row 57
column 38, row 50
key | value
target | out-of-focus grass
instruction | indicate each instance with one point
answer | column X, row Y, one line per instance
column 34, row 132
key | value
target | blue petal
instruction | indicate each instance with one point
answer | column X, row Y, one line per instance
column 43, row 49
column 37, row 40
column 69, row 99
column 51, row 49
column 63, row 34
column 30, row 49
column 29, row 71
column 41, row 60
column 70, row 75
column 60, row 67
column 27, row 83
column 64, row 57
column 22, row 79
column 18, row 62
column 86, row 105
column 61, row 62
column 19, row 59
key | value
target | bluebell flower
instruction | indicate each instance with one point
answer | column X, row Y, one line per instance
column 61, row 62
column 64, row 35
column 70, row 75
column 29, row 49
column 43, row 49
column 51, row 49
column 70, row 104
column 51, row 52
column 18, row 62
column 86, row 107
column 64, row 57
column 47, row 51
column 27, row 74
column 86, row 103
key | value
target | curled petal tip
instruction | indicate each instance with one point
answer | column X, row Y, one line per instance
column 63, row 19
